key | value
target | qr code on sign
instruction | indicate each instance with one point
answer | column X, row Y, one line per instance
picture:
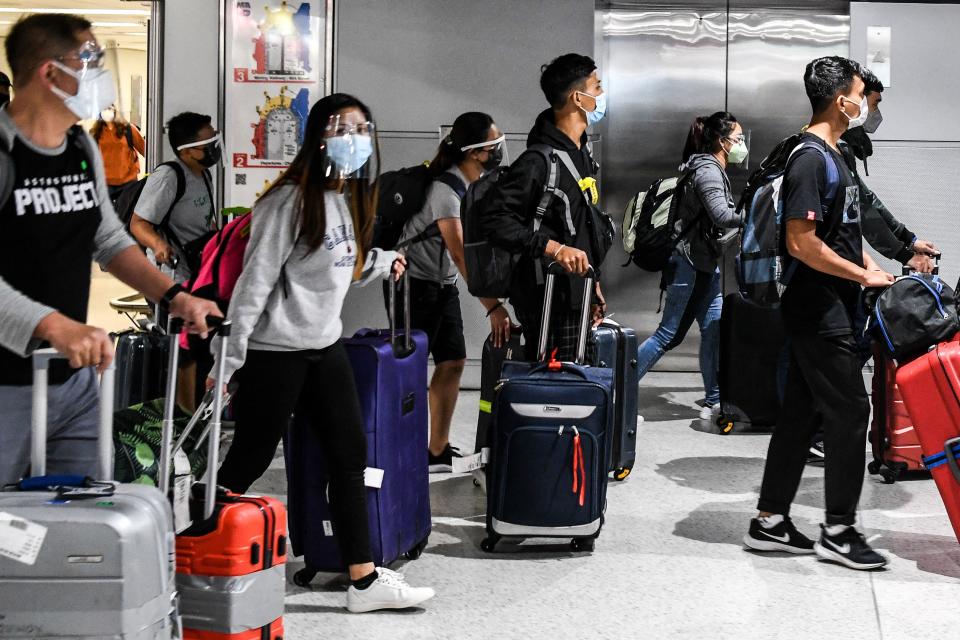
column 240, row 178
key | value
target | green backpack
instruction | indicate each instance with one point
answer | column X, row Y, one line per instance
column 136, row 442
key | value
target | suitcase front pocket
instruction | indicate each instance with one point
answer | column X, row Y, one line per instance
column 549, row 477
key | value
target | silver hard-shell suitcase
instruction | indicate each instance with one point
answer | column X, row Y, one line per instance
column 104, row 567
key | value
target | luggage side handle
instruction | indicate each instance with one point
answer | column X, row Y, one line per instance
column 589, row 278
column 38, row 423
column 951, row 453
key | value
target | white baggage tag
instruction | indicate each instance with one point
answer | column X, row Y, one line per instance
column 373, row 477
column 466, row 464
column 181, row 503
column 485, row 455
column 20, row 539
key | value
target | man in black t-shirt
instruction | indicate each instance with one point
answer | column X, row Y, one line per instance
column 55, row 219
column 825, row 266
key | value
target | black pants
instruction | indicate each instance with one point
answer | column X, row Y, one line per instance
column 435, row 310
column 563, row 332
column 824, row 386
column 317, row 384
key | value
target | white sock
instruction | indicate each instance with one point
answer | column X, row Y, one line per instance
column 835, row 529
column 769, row 522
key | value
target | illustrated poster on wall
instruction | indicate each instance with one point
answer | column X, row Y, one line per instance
column 276, row 59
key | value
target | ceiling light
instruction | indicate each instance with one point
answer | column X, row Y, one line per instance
column 86, row 12
column 127, row 25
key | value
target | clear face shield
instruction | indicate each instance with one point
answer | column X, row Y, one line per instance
column 497, row 152
column 95, row 87
column 351, row 148
column 212, row 149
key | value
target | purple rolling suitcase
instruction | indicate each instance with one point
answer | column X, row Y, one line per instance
column 391, row 377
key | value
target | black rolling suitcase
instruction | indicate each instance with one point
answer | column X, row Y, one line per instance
column 141, row 363
column 615, row 347
column 751, row 367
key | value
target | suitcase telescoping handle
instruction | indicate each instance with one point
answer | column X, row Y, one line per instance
column 41, row 381
column 407, row 339
column 589, row 277
column 936, row 266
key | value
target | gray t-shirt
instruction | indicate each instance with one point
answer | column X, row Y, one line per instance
column 191, row 217
column 429, row 259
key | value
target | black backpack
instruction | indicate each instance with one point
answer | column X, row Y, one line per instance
column 402, row 194
column 649, row 223
column 913, row 314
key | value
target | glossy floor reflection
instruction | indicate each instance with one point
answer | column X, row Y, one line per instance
column 669, row 562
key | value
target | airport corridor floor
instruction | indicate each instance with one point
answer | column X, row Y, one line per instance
column 669, row 562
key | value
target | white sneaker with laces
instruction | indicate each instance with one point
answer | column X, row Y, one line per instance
column 709, row 412
column 389, row 591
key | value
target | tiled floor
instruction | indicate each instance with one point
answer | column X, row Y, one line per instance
column 669, row 563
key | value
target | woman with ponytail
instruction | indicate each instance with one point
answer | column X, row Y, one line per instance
column 433, row 243
column 692, row 277
column 310, row 238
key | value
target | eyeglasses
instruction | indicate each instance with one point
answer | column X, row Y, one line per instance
column 737, row 139
column 90, row 55
column 349, row 128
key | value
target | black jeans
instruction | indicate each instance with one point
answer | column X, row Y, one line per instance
column 824, row 386
column 318, row 384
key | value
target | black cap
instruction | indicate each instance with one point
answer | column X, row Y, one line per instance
column 4, row 80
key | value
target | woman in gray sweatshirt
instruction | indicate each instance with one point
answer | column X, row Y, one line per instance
column 310, row 239
column 692, row 277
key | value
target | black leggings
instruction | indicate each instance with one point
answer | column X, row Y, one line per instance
column 272, row 384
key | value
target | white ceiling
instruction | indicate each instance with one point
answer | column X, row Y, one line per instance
column 114, row 20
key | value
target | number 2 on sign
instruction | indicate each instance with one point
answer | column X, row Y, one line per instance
column 240, row 160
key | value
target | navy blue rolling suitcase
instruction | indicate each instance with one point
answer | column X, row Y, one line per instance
column 615, row 347
column 391, row 377
column 550, row 453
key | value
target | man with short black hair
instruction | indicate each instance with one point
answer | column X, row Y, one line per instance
column 4, row 89
column 175, row 212
column 573, row 231
column 55, row 219
column 825, row 266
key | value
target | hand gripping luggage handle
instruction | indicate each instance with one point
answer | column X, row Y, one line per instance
column 407, row 339
column 41, row 380
column 584, row 312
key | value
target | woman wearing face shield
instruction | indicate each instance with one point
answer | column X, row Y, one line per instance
column 310, row 240
column 432, row 242
column 692, row 277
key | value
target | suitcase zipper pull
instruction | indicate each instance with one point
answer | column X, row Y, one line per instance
column 579, row 473
column 500, row 383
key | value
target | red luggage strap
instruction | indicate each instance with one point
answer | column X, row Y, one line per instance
column 579, row 471
column 553, row 364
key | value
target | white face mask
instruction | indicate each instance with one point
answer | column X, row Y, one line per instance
column 862, row 117
column 95, row 91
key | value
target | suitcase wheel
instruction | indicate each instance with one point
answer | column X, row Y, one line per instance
column 303, row 577
column 725, row 424
column 622, row 473
column 873, row 467
column 489, row 544
column 889, row 475
column 582, row 544
column 417, row 551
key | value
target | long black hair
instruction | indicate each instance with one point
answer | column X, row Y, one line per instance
column 469, row 128
column 706, row 132
column 307, row 171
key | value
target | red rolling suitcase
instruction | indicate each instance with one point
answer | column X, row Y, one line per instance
column 931, row 390
column 231, row 571
column 893, row 439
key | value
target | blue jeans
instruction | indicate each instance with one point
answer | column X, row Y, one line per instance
column 691, row 295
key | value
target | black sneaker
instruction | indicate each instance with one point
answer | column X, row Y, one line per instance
column 848, row 548
column 443, row 463
column 781, row 537
column 816, row 452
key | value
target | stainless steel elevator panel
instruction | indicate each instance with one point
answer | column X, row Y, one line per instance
column 664, row 68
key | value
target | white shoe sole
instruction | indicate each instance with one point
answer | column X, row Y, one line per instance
column 832, row 556
column 441, row 468
column 368, row 607
column 771, row 545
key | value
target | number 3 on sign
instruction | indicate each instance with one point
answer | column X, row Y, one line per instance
column 239, row 75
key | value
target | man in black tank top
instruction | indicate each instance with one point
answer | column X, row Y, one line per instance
column 55, row 219
column 822, row 221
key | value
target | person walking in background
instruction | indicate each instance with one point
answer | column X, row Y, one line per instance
column 121, row 146
column 432, row 242
column 692, row 277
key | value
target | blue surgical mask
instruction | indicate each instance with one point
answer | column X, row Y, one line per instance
column 349, row 152
column 595, row 116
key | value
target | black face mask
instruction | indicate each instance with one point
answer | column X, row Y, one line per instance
column 4, row 99
column 494, row 158
column 211, row 155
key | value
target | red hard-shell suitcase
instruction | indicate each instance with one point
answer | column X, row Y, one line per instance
column 893, row 439
column 931, row 390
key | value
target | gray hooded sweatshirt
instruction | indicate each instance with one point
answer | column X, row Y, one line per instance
column 707, row 199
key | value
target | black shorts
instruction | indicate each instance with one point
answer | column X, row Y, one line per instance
column 435, row 310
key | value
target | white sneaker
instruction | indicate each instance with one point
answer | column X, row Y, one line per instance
column 708, row 412
column 389, row 591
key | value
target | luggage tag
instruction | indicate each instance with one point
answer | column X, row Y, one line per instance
column 373, row 477
column 182, row 482
column 466, row 464
column 20, row 539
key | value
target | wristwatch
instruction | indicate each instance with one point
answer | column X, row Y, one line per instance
column 171, row 293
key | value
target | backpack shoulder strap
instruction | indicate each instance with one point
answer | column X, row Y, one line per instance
column 550, row 190
column 128, row 134
column 181, row 189
column 7, row 172
column 452, row 181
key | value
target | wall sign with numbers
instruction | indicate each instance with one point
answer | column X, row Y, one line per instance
column 277, row 59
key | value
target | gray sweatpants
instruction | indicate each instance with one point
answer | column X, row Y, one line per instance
column 72, row 424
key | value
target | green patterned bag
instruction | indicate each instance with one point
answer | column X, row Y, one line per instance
column 136, row 442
